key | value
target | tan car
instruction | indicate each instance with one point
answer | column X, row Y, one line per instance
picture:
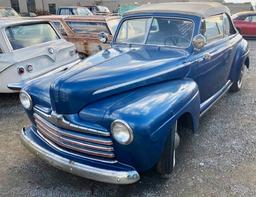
column 84, row 31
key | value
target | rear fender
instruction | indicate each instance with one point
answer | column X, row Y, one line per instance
column 241, row 58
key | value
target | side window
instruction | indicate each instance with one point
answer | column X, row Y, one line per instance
column 254, row 19
column 228, row 26
column 59, row 27
column 88, row 27
column 248, row 19
column 64, row 11
column 242, row 17
column 213, row 28
column 1, row 51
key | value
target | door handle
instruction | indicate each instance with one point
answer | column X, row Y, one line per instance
column 207, row 56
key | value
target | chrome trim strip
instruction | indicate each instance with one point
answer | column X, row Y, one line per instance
column 221, row 92
column 79, row 169
column 58, row 119
column 15, row 86
column 125, row 84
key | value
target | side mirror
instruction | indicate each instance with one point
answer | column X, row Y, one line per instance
column 103, row 37
column 199, row 41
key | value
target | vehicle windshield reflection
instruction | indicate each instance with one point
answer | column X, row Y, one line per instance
column 171, row 32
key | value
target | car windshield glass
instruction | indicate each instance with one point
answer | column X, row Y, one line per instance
column 8, row 12
column 88, row 27
column 21, row 36
column 172, row 32
column 112, row 24
column 133, row 31
column 82, row 12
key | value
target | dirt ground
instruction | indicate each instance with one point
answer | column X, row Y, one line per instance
column 220, row 160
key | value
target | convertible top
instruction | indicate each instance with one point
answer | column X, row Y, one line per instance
column 201, row 9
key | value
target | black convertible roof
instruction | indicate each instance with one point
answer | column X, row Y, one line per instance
column 202, row 9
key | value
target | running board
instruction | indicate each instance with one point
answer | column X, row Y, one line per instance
column 205, row 106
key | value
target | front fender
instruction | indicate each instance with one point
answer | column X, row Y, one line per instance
column 150, row 111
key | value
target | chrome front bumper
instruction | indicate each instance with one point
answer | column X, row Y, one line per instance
column 86, row 171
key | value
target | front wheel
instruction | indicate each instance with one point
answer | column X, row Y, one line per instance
column 167, row 162
column 237, row 85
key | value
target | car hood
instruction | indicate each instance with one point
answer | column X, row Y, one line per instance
column 112, row 72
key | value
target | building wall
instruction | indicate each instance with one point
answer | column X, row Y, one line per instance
column 5, row 3
column 23, row 6
column 112, row 4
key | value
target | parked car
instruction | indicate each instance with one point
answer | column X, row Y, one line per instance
column 74, row 10
column 245, row 23
column 8, row 12
column 99, row 10
column 29, row 49
column 84, row 31
column 28, row 14
column 116, row 115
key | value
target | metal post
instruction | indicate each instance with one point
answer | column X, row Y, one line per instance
column 43, row 4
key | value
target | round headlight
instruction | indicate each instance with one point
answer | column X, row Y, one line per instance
column 26, row 100
column 121, row 132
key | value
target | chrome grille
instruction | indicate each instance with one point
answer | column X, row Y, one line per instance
column 86, row 145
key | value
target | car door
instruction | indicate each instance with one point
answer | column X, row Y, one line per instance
column 211, row 68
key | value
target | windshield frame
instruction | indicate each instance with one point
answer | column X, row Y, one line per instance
column 151, row 17
column 110, row 25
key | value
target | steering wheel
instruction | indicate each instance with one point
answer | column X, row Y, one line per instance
column 175, row 39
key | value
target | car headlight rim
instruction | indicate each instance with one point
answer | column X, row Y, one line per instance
column 127, row 126
column 28, row 97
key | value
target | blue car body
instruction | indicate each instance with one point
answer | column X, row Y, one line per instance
column 149, row 87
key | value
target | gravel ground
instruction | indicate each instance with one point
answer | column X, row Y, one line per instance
column 220, row 160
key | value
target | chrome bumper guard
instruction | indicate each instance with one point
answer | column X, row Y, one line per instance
column 97, row 174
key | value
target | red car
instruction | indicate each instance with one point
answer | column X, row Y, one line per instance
column 245, row 23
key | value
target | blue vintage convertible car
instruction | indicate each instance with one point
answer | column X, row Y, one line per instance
column 115, row 114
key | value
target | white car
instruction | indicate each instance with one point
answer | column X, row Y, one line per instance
column 30, row 49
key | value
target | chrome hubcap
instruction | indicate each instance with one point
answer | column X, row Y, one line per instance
column 240, row 81
column 176, row 144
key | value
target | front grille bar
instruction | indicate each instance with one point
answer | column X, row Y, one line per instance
column 59, row 120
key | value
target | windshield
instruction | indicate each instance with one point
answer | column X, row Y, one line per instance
column 22, row 36
column 172, row 32
column 82, row 12
column 8, row 12
column 112, row 24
